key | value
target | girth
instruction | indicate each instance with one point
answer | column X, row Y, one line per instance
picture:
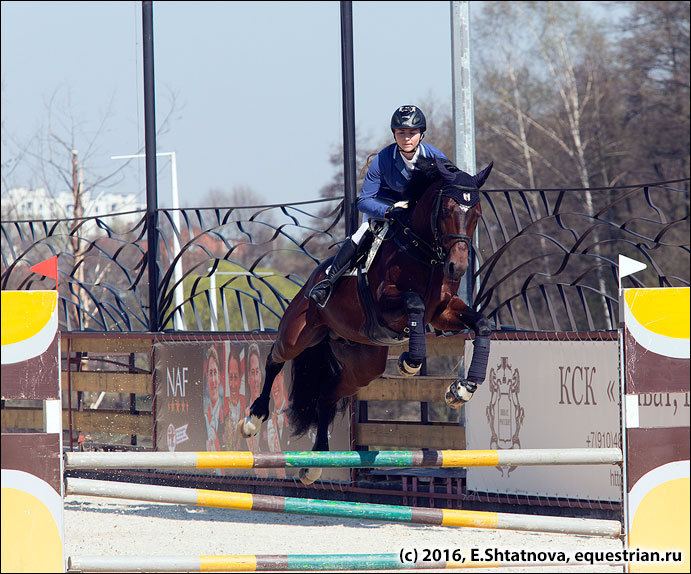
column 374, row 330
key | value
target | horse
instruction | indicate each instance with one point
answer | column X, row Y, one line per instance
column 411, row 282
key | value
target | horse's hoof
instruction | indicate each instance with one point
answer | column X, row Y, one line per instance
column 309, row 475
column 407, row 366
column 459, row 393
column 249, row 426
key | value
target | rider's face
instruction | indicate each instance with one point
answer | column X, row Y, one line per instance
column 233, row 375
column 212, row 377
column 255, row 375
column 407, row 140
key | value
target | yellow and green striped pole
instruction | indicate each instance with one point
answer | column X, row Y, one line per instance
column 366, row 511
column 286, row 563
column 342, row 459
column 250, row 563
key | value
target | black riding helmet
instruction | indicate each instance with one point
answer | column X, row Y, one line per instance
column 408, row 118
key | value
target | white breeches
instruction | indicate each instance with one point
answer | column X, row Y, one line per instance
column 358, row 235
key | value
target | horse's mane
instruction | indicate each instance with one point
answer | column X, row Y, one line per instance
column 425, row 174
column 429, row 170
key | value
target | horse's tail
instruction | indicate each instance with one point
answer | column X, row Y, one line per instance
column 314, row 370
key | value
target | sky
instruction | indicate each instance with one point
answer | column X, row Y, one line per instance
column 257, row 85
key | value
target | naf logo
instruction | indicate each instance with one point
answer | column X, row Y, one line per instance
column 176, row 381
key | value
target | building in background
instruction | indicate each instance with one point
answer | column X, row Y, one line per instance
column 22, row 203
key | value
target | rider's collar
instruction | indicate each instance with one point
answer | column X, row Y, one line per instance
column 410, row 163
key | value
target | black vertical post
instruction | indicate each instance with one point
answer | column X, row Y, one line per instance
column 150, row 143
column 349, row 171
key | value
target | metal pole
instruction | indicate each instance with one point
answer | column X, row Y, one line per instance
column 179, row 291
column 179, row 317
column 463, row 120
column 150, row 143
column 349, row 157
column 213, row 308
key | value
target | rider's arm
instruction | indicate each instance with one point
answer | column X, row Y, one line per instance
column 368, row 202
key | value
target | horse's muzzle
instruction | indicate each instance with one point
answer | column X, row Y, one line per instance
column 456, row 262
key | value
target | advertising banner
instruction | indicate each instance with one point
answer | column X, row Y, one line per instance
column 204, row 390
column 547, row 394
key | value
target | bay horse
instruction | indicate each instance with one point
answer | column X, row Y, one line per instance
column 412, row 281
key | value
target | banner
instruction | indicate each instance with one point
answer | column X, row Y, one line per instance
column 547, row 394
column 204, row 390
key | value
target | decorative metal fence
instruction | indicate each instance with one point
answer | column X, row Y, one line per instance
column 546, row 259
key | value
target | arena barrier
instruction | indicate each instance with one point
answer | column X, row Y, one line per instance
column 341, row 459
column 367, row 511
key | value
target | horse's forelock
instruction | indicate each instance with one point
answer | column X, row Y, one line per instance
column 428, row 170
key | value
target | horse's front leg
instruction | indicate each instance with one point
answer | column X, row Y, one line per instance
column 455, row 316
column 410, row 362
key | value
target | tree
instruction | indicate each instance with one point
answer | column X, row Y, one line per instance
column 654, row 55
column 65, row 155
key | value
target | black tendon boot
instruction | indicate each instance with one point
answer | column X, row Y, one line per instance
column 321, row 292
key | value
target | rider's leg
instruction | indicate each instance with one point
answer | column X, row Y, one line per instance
column 321, row 292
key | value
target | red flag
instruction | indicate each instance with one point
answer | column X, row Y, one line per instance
column 49, row 268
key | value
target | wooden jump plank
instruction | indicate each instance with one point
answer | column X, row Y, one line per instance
column 410, row 436
column 106, row 421
column 109, row 382
column 400, row 388
column 114, row 345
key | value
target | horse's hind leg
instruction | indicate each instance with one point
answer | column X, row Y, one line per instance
column 259, row 411
column 361, row 365
column 298, row 329
column 325, row 413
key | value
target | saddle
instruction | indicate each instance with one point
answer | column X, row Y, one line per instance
column 380, row 230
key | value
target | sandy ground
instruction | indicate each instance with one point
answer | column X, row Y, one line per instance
column 106, row 526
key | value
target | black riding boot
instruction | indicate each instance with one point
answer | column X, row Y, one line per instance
column 321, row 292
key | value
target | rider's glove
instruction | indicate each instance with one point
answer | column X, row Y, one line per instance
column 397, row 213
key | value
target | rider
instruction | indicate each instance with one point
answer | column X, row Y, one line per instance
column 382, row 190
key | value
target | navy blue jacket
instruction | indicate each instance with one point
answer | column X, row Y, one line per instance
column 386, row 178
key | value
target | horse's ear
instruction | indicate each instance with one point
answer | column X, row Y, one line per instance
column 446, row 175
column 481, row 177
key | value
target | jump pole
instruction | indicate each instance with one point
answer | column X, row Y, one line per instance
column 349, row 459
column 367, row 511
column 282, row 563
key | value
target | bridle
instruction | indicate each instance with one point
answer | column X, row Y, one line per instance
column 465, row 198
column 435, row 254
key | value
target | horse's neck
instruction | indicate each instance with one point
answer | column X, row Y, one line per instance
column 421, row 220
